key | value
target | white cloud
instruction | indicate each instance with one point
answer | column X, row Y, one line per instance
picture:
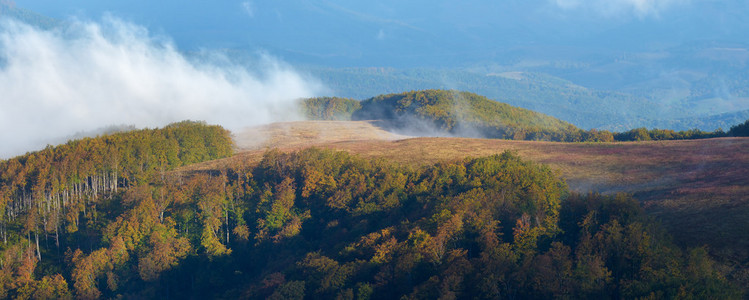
column 607, row 8
column 248, row 8
column 92, row 75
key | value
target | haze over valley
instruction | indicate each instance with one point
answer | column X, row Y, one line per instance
column 617, row 66
column 325, row 149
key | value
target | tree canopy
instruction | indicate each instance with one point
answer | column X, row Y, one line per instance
column 321, row 224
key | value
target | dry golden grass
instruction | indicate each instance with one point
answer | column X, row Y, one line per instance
column 302, row 134
column 699, row 189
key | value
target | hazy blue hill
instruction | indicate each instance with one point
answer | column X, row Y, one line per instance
column 8, row 9
column 724, row 121
column 605, row 74
column 424, row 33
column 586, row 108
column 682, row 100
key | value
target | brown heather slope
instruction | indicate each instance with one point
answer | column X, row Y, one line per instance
column 699, row 189
column 302, row 134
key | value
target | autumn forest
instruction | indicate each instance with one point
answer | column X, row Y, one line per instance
column 113, row 216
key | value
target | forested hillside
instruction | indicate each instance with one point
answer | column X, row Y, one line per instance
column 443, row 112
column 59, row 198
column 455, row 113
column 459, row 112
column 105, row 217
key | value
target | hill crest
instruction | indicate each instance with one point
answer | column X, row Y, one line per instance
column 456, row 113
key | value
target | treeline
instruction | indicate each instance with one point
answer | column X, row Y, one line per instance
column 740, row 129
column 454, row 113
column 109, row 161
column 324, row 224
column 329, row 108
column 643, row 134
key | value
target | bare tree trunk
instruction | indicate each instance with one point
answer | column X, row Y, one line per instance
column 57, row 236
column 28, row 238
column 38, row 252
column 226, row 213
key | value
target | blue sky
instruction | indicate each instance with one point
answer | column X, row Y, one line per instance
column 145, row 58
column 396, row 32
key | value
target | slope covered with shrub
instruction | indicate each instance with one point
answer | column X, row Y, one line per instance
column 462, row 113
column 329, row 108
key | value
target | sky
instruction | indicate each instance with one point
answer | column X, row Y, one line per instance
column 415, row 33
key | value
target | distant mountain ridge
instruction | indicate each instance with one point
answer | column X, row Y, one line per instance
column 699, row 84
column 9, row 9
column 585, row 107
column 724, row 121
column 693, row 85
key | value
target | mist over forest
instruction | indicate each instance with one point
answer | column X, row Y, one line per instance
column 616, row 65
column 320, row 149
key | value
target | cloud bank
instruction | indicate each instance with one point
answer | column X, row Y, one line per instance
column 91, row 75
column 609, row 8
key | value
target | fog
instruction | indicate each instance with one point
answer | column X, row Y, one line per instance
column 94, row 74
